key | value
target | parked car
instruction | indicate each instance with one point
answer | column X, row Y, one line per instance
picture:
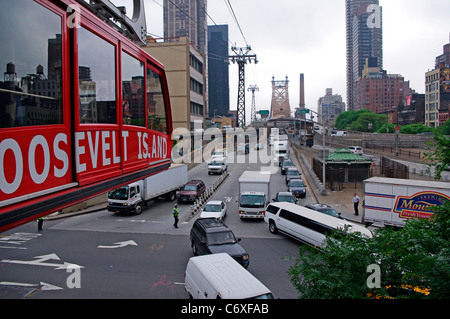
column 285, row 165
column 325, row 209
column 297, row 187
column 292, row 173
column 191, row 191
column 356, row 149
column 215, row 209
column 285, row 197
column 210, row 236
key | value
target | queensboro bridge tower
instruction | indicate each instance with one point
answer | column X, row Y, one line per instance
column 280, row 99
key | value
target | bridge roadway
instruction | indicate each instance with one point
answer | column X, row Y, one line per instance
column 140, row 256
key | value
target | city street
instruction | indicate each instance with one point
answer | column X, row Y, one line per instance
column 144, row 256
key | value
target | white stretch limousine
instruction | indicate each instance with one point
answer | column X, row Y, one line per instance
column 306, row 225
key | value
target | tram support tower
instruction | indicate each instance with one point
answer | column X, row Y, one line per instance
column 280, row 99
column 253, row 89
column 241, row 56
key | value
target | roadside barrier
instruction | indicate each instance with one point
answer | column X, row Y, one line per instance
column 202, row 200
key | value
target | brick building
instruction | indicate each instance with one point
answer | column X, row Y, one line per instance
column 378, row 91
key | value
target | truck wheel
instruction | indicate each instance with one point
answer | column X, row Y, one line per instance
column 170, row 196
column 194, row 249
column 272, row 227
column 138, row 209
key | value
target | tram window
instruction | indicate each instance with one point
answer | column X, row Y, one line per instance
column 97, row 79
column 156, row 109
column 31, row 65
column 133, row 90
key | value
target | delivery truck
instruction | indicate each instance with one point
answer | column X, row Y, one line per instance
column 392, row 201
column 254, row 194
column 133, row 197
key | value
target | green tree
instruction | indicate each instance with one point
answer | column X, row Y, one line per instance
column 359, row 120
column 382, row 129
column 439, row 153
column 415, row 129
column 445, row 129
column 345, row 119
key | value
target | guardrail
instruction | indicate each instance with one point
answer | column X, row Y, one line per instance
column 202, row 200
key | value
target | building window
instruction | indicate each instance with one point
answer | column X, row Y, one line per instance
column 196, row 87
column 196, row 64
column 96, row 78
column 133, row 90
column 196, row 109
column 30, row 65
column 156, row 108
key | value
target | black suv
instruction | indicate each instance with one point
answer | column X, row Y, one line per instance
column 210, row 236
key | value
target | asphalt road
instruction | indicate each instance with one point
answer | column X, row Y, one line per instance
column 132, row 257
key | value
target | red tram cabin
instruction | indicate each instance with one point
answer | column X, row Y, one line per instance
column 82, row 109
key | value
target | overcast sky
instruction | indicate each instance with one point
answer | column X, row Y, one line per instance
column 291, row 37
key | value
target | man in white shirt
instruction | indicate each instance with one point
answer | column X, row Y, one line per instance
column 356, row 200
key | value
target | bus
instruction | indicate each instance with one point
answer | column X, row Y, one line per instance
column 83, row 109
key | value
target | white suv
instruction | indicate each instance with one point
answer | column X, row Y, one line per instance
column 217, row 166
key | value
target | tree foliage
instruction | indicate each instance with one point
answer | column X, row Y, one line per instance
column 416, row 256
column 439, row 153
column 415, row 129
column 359, row 121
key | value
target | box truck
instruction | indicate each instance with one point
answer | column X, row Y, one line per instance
column 254, row 194
column 392, row 201
column 133, row 197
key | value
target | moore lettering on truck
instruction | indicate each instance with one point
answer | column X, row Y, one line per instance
column 393, row 202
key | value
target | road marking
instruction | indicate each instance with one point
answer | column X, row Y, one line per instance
column 44, row 285
column 17, row 239
column 228, row 199
column 120, row 244
column 41, row 261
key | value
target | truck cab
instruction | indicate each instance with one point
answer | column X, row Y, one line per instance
column 127, row 199
column 252, row 204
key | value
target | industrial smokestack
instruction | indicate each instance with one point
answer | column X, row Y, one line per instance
column 302, row 91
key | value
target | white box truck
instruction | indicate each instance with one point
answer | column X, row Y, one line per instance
column 392, row 201
column 133, row 197
column 254, row 194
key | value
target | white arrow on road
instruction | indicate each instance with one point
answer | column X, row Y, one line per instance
column 120, row 244
column 41, row 261
column 44, row 285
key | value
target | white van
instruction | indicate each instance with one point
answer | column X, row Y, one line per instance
column 305, row 224
column 218, row 276
column 339, row 133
